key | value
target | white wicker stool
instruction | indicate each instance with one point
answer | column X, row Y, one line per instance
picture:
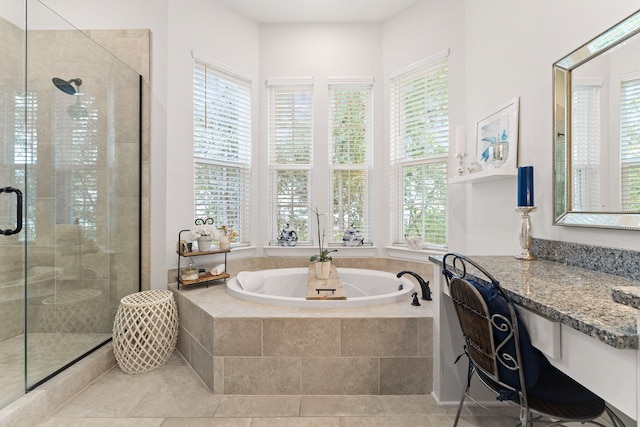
column 145, row 330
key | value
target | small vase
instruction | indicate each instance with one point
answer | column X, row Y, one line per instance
column 323, row 269
column 204, row 244
column 499, row 153
column 224, row 242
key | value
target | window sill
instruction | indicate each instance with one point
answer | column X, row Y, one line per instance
column 399, row 252
column 308, row 251
column 240, row 252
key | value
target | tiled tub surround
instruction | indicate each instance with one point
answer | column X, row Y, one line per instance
column 576, row 297
column 239, row 347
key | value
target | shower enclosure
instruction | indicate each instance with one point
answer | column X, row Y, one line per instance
column 70, row 115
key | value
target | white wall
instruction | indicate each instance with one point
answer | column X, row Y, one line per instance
column 510, row 47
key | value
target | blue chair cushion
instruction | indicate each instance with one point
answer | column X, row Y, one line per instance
column 532, row 358
column 555, row 385
column 562, row 397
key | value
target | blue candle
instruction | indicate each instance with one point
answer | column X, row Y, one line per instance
column 525, row 186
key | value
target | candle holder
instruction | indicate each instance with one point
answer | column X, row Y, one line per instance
column 526, row 239
column 461, row 156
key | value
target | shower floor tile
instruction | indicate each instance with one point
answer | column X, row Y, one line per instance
column 46, row 353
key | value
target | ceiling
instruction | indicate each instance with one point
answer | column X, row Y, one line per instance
column 318, row 11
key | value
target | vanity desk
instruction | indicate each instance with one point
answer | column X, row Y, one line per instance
column 571, row 316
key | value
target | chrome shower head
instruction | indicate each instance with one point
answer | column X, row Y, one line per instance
column 66, row 85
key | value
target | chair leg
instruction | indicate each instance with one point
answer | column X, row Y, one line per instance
column 465, row 390
column 526, row 420
column 613, row 417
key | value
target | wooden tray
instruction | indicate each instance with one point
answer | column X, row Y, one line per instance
column 328, row 289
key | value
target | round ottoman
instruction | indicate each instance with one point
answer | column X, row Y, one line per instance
column 145, row 330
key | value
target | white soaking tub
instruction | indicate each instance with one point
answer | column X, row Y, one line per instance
column 288, row 287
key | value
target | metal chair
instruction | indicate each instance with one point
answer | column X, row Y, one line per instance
column 501, row 355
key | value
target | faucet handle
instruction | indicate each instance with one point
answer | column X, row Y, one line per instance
column 415, row 299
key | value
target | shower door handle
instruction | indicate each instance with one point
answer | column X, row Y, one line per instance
column 9, row 232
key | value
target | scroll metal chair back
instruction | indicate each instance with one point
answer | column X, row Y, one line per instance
column 501, row 355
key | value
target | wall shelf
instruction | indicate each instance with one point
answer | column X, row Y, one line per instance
column 484, row 176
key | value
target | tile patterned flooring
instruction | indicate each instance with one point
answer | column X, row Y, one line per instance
column 172, row 395
column 46, row 351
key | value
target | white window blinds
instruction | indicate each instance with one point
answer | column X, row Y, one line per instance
column 630, row 145
column 419, row 126
column 585, row 144
column 222, row 148
column 290, row 117
column 350, row 134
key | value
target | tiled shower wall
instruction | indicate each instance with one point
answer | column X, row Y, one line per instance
column 133, row 48
column 113, row 273
column 51, row 252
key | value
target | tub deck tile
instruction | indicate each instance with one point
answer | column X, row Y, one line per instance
column 218, row 303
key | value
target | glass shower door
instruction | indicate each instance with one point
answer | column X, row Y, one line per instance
column 13, row 139
column 83, row 192
column 70, row 142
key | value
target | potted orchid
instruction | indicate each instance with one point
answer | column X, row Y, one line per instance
column 323, row 259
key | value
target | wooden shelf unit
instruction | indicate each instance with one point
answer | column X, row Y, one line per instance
column 204, row 277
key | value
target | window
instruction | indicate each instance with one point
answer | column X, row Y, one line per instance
column 290, row 156
column 350, row 134
column 585, row 163
column 419, row 127
column 630, row 144
column 222, row 147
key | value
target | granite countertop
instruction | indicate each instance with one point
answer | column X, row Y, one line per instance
column 627, row 295
column 576, row 297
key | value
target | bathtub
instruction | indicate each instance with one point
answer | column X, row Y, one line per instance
column 288, row 287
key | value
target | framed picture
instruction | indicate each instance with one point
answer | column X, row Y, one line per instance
column 497, row 137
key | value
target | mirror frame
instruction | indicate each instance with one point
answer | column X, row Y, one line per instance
column 562, row 85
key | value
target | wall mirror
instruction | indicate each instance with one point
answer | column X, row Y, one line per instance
column 596, row 114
